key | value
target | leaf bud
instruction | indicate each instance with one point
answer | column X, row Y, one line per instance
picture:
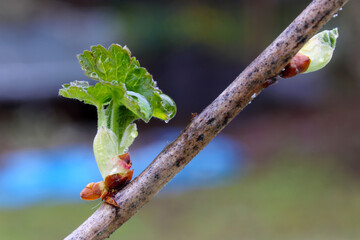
column 314, row 55
column 320, row 49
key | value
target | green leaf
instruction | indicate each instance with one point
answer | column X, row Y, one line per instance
column 106, row 146
column 120, row 61
column 106, row 65
column 117, row 90
column 138, row 104
column 165, row 107
column 97, row 95
column 88, row 64
column 128, row 137
column 117, row 69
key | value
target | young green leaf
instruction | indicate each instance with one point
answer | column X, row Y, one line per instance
column 97, row 95
column 106, row 146
column 138, row 104
column 128, row 137
column 117, row 65
column 164, row 107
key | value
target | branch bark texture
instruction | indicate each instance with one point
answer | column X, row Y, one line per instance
column 203, row 128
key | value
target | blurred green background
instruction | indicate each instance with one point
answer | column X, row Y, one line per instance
column 300, row 176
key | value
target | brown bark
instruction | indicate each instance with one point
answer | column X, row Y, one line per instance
column 210, row 122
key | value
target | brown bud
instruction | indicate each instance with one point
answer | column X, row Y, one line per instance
column 298, row 64
column 114, row 182
column 92, row 191
column 122, row 174
column 117, row 181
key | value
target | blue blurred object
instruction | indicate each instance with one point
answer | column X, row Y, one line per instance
column 59, row 174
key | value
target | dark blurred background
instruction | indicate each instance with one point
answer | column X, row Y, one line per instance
column 296, row 148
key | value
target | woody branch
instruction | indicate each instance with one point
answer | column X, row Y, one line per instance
column 209, row 123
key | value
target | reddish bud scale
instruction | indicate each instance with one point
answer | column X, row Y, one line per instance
column 113, row 183
column 92, row 191
column 298, row 64
column 117, row 181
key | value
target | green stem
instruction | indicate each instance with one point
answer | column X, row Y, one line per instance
column 121, row 118
column 102, row 120
column 114, row 121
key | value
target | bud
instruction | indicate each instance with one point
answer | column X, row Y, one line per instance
column 315, row 54
column 117, row 178
column 320, row 49
column 92, row 191
column 298, row 64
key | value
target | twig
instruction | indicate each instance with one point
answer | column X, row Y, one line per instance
column 209, row 123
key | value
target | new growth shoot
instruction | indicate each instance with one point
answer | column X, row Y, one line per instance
column 124, row 93
column 314, row 55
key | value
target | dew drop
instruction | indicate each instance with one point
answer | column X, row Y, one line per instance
column 335, row 15
column 253, row 96
column 340, row 9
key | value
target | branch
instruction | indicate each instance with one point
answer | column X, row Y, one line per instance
column 209, row 123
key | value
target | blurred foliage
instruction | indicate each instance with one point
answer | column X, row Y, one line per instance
column 291, row 199
column 167, row 27
column 231, row 30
